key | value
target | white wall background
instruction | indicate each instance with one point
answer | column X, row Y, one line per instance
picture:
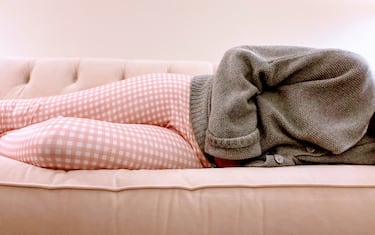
column 180, row 29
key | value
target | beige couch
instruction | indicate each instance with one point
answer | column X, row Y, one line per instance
column 302, row 200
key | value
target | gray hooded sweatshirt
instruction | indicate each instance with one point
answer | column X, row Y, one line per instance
column 277, row 106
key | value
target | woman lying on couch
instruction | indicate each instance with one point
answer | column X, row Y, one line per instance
column 265, row 106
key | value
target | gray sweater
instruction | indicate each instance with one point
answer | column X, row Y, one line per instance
column 275, row 106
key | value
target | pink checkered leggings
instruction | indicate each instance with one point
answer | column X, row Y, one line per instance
column 138, row 123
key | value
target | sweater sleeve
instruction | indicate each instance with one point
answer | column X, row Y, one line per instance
column 232, row 128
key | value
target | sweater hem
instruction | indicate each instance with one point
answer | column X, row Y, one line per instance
column 200, row 107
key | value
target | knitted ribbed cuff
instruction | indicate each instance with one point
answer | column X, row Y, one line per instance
column 238, row 148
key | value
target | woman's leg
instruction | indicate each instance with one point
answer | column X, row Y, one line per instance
column 146, row 99
column 77, row 143
column 152, row 99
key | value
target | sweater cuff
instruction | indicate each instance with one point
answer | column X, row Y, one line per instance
column 239, row 148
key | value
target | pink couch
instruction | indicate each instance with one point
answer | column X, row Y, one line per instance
column 308, row 200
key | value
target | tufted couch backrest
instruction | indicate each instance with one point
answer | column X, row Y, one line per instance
column 26, row 78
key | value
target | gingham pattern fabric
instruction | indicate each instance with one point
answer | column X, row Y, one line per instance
column 138, row 123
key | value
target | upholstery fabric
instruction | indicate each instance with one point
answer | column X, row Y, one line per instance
column 309, row 200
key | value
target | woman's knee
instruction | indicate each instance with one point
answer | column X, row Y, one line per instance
column 48, row 137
